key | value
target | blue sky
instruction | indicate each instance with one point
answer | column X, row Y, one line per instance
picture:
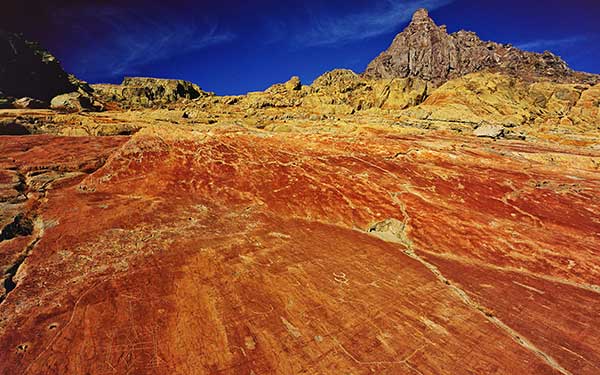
column 232, row 47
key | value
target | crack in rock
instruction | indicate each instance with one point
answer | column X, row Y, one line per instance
column 9, row 283
column 394, row 230
column 20, row 226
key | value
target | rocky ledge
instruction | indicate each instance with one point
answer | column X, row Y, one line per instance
column 137, row 92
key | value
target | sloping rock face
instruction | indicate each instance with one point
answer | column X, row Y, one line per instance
column 243, row 251
column 148, row 92
column 343, row 86
column 27, row 70
column 427, row 51
column 498, row 99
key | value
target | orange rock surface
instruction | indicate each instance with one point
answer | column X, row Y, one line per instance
column 238, row 251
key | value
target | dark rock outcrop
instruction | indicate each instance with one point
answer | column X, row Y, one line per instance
column 425, row 50
column 5, row 101
column 28, row 70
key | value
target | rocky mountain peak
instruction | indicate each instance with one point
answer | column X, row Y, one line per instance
column 421, row 16
column 425, row 50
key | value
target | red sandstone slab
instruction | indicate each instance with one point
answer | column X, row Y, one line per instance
column 310, row 298
column 237, row 252
column 559, row 318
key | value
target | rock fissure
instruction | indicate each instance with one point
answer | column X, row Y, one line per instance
column 589, row 287
column 10, row 283
column 394, row 230
column 21, row 225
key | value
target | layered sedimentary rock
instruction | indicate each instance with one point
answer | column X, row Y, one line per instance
column 336, row 93
column 561, row 112
column 504, row 100
column 244, row 251
column 148, row 92
column 28, row 70
column 427, row 51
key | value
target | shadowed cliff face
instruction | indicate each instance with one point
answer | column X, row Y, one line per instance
column 27, row 70
column 240, row 251
column 427, row 51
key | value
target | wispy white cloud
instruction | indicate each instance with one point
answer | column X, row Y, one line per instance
column 129, row 51
column 383, row 18
column 130, row 40
column 547, row 44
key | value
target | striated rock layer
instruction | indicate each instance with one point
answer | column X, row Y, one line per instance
column 236, row 251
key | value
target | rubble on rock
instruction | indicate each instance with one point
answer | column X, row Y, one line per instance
column 72, row 102
column 29, row 103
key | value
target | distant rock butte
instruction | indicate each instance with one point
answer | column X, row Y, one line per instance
column 148, row 92
column 426, row 50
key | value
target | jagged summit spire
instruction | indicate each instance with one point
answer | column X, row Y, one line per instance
column 421, row 15
column 421, row 19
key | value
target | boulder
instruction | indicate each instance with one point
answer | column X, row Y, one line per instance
column 294, row 84
column 489, row 131
column 72, row 102
column 29, row 103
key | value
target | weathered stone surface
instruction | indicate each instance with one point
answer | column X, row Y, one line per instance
column 354, row 225
column 148, row 92
column 27, row 70
column 243, row 251
column 489, row 131
column 343, row 100
column 336, row 93
column 72, row 102
column 427, row 51
column 540, row 108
